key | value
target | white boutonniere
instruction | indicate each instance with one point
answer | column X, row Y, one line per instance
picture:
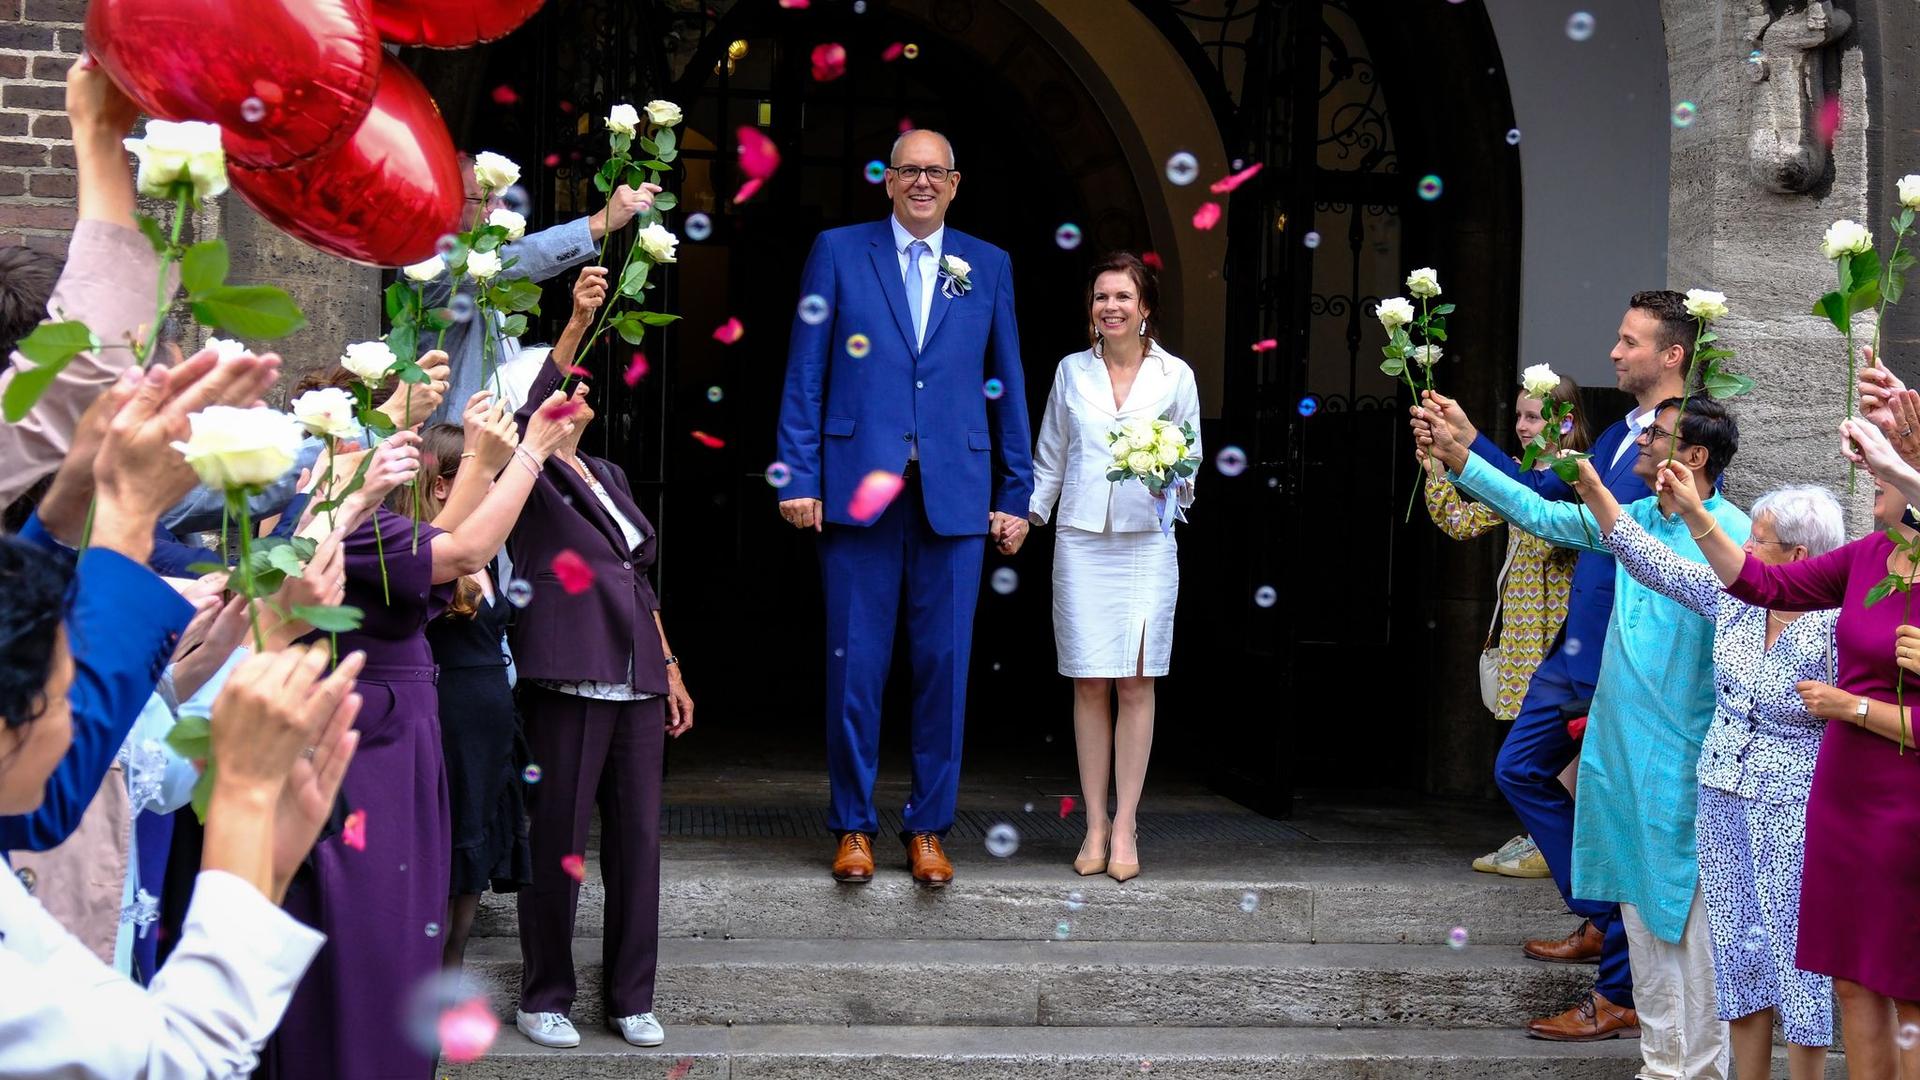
column 955, row 276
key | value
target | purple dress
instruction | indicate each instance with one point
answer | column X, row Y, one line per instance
column 381, row 908
column 1860, row 890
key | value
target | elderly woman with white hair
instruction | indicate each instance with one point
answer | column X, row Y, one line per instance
column 1755, row 770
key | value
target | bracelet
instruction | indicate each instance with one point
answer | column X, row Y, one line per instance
column 468, row 454
column 1708, row 531
column 525, row 458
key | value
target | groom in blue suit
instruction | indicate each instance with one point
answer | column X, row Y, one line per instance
column 904, row 369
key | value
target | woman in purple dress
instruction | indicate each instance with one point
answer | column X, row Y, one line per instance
column 1860, row 889
column 382, row 903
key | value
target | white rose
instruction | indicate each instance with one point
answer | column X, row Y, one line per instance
column 426, row 269
column 1429, row 355
column 232, row 447
column 1394, row 313
column 1539, row 381
column 1909, row 186
column 1168, row 453
column 658, row 242
column 623, row 119
column 1121, row 448
column 226, row 348
column 958, row 266
column 187, row 152
column 327, row 412
column 515, row 225
column 1424, row 283
column 1846, row 238
column 369, row 361
column 1139, row 436
column 495, row 172
column 664, row 114
column 1142, row 463
column 1705, row 304
column 483, row 265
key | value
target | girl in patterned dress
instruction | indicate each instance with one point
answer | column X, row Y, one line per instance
column 1533, row 597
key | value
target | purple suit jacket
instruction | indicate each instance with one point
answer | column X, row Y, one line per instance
column 564, row 637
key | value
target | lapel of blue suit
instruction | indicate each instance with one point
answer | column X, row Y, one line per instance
column 1619, row 471
column 950, row 245
column 886, row 266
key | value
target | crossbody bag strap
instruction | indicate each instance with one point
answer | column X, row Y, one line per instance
column 1500, row 586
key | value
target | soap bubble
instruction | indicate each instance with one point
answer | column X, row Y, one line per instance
column 1312, row 240
column 779, row 475
column 1265, row 596
column 1513, row 136
column 1067, row 236
column 1308, row 405
column 1572, row 646
column 1183, row 169
column 1249, row 902
column 253, row 110
column 1457, row 938
column 714, row 394
column 1075, row 901
column 813, row 309
column 1002, row 841
column 859, row 7
column 1580, row 25
column 1062, row 930
column 433, row 929
column 442, row 997
column 1430, row 187
column 698, row 227
column 531, row 774
column 516, row 199
column 445, row 245
column 993, row 388
column 1005, row 580
column 1231, row 461
column 460, row 308
column 1684, row 113
column 858, row 346
column 911, row 52
column 1756, row 57
column 1755, row 940
column 519, row 592
column 876, row 171
column 1908, row 1036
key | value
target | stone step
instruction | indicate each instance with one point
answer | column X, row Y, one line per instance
column 1069, row 983
column 1361, row 894
column 789, row 1052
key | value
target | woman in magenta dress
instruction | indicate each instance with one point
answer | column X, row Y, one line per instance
column 382, row 906
column 1860, row 890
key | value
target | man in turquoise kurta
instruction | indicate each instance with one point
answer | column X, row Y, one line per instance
column 1633, row 835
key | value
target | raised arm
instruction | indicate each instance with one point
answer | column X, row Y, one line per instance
column 1692, row 585
column 1562, row 524
column 471, row 546
column 487, row 445
column 1459, row 518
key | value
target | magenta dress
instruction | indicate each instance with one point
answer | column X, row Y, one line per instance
column 381, row 908
column 1860, row 893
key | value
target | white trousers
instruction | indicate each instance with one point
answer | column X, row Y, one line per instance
column 1681, row 1034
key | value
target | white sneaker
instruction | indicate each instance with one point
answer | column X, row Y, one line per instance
column 547, row 1028
column 642, row 1030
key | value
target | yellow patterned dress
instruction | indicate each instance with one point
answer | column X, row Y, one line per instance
column 1534, row 603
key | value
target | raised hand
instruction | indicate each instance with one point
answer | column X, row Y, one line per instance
column 557, row 423
column 410, row 410
column 490, row 434
column 1448, row 411
column 625, row 202
column 589, row 293
column 1876, row 385
column 1674, row 483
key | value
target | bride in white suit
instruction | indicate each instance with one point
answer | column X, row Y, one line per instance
column 1115, row 575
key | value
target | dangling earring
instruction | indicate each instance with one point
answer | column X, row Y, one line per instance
column 1143, row 328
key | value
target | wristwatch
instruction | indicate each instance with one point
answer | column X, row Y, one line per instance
column 1860, row 713
column 672, row 660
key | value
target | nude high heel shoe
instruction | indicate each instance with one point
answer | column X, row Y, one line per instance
column 1090, row 865
column 1123, row 872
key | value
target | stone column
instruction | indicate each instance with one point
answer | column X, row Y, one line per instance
column 341, row 299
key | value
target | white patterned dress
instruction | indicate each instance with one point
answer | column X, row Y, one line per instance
column 1756, row 767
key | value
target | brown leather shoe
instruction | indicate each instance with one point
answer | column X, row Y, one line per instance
column 928, row 861
column 853, row 863
column 1592, row 1020
column 1580, row 947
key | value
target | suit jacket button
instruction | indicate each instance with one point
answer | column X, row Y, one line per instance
column 626, row 566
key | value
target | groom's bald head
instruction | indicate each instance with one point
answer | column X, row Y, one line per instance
column 922, row 134
column 919, row 200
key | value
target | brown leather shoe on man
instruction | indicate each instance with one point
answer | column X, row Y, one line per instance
column 853, row 863
column 1594, row 1019
column 929, row 863
column 1580, row 947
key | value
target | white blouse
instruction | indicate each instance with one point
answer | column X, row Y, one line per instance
column 64, row 1013
column 1073, row 456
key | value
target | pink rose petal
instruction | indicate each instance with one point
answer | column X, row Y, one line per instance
column 711, row 442
column 636, row 368
column 566, row 106
column 575, row 575
column 906, row 124
column 1222, row 186
column 577, row 371
column 729, row 332
column 1576, row 727
column 759, row 157
column 1153, row 260
column 551, row 160
column 354, row 832
column 1066, row 806
column 505, row 95
column 1266, row 344
column 575, row 866
column 1827, row 123
column 561, row 411
column 747, row 191
column 467, row 1031
column 685, row 1065
column 795, row 5
column 1207, row 216
column 876, row 490
column 892, row 53
column 829, row 61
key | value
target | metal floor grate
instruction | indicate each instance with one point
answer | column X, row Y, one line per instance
column 810, row 823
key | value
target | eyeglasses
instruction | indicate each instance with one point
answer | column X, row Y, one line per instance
column 1776, row 543
column 1655, row 431
column 912, row 173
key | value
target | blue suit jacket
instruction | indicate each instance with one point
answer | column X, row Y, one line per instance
column 842, row 417
column 1590, row 603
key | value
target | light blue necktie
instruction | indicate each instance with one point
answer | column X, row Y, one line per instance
column 913, row 282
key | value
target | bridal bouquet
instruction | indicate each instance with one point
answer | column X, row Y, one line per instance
column 1157, row 454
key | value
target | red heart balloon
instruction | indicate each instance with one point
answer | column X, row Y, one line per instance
column 450, row 24
column 384, row 197
column 286, row 79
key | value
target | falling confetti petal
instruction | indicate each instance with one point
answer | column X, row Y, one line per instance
column 566, row 106
column 1066, row 806
column 1266, row 344
column 1827, row 123
column 729, row 332
column 467, row 1032
column 759, row 157
column 561, row 411
column 354, row 832
column 1207, row 216
column 1576, row 727
column 795, row 5
column 1153, row 261
column 1221, row 187
column 575, row 575
column 551, row 160
column 906, row 124
column 681, row 1068
column 892, row 52
column 636, row 369
column 876, row 490
column 829, row 61
column 575, row 866
column 748, row 190
column 505, row 95
column 577, row 371
column 711, row 442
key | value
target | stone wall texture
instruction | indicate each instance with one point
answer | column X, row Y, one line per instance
column 38, row 42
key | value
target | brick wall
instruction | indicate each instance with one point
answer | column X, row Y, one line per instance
column 38, row 42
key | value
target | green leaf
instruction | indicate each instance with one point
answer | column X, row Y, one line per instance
column 665, row 201
column 635, row 177
column 1862, row 268
column 1903, row 220
column 1879, row 592
column 620, row 141
column 1117, row 475
column 335, row 619
column 51, row 346
column 191, row 737
column 375, row 421
column 404, row 340
column 517, row 295
column 355, row 483
column 1393, row 367
column 1443, row 309
column 1567, row 469
column 488, row 240
column 260, row 312
column 656, row 164
column 661, row 318
column 1721, row 385
column 1865, row 296
column 410, row 372
column 1834, row 307
column 202, row 792
column 647, row 146
column 602, row 183
column 1437, row 333
column 514, row 325
column 204, row 267
column 631, row 330
column 665, row 144
column 150, row 229
column 285, row 559
column 635, row 279
column 202, row 568
column 1706, row 337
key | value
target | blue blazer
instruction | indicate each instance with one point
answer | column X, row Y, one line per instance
column 843, row 417
column 1590, row 603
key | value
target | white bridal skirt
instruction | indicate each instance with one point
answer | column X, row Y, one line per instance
column 1113, row 598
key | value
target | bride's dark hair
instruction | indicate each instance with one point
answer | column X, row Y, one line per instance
column 1144, row 283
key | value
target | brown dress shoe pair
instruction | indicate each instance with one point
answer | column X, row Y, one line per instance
column 853, row 862
column 1580, row 947
column 1594, row 1019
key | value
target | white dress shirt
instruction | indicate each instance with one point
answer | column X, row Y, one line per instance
column 1073, row 456
column 211, row 1007
column 929, row 269
column 1638, row 421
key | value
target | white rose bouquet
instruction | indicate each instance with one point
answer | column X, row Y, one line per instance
column 475, row 261
column 1160, row 456
column 655, row 245
column 1402, row 356
column 182, row 163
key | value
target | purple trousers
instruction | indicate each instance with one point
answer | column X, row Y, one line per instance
column 605, row 753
